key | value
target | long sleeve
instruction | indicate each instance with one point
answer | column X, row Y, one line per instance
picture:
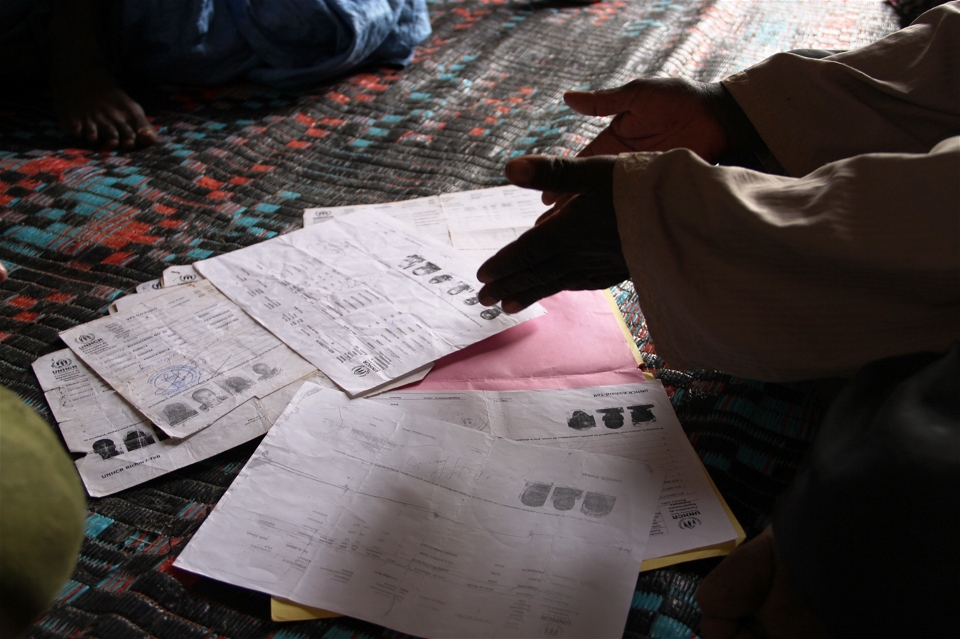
column 900, row 94
column 780, row 278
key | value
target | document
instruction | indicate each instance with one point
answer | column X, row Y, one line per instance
column 633, row 421
column 428, row 528
column 361, row 297
column 186, row 358
column 127, row 301
column 93, row 418
column 425, row 214
column 122, row 449
column 152, row 285
column 479, row 222
column 177, row 275
column 486, row 220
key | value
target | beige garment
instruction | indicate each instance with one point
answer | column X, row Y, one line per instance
column 786, row 278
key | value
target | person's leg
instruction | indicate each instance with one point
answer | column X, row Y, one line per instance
column 865, row 532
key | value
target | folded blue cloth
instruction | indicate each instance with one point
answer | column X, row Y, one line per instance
column 281, row 43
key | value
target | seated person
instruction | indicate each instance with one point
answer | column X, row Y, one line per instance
column 83, row 45
column 840, row 256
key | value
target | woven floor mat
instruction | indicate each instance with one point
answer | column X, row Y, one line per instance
column 238, row 164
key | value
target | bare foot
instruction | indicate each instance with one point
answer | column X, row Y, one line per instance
column 748, row 596
column 92, row 107
column 86, row 97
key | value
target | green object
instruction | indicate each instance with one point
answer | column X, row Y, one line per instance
column 42, row 511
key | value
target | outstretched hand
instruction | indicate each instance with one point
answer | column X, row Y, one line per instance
column 574, row 246
column 656, row 114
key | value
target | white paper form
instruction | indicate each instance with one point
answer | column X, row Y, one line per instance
column 92, row 416
column 428, row 528
column 122, row 449
column 186, row 358
column 486, row 220
column 361, row 297
column 424, row 214
column 174, row 276
column 106, row 476
column 634, row 421
column 179, row 274
column 152, row 285
column 479, row 222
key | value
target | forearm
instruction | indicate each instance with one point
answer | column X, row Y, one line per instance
column 780, row 278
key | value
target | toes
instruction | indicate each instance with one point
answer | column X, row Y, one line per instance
column 109, row 137
column 90, row 132
column 145, row 133
column 128, row 138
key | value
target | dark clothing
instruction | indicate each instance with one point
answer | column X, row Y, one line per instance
column 869, row 527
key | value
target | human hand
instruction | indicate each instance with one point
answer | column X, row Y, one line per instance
column 749, row 596
column 574, row 246
column 656, row 114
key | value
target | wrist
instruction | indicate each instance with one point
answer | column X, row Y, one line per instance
column 745, row 147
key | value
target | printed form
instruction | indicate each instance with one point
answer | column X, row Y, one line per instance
column 429, row 528
column 361, row 297
column 122, row 448
column 634, row 421
column 186, row 358
column 478, row 223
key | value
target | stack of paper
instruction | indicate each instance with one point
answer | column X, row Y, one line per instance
column 519, row 504
column 429, row 528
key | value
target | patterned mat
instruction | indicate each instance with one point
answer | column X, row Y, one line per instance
column 238, row 164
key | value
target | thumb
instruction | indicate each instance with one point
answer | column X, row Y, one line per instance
column 606, row 102
column 562, row 175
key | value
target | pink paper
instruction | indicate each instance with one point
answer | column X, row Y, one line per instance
column 578, row 343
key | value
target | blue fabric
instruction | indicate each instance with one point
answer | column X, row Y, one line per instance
column 281, row 43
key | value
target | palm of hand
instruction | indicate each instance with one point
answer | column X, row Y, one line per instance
column 657, row 114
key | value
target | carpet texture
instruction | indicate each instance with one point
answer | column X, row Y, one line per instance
column 238, row 164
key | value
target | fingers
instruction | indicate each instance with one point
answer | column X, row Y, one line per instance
column 3, row 273
column 522, row 289
column 607, row 142
column 561, row 175
column 526, row 252
column 555, row 199
column 606, row 102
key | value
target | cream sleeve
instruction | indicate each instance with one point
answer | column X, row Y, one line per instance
column 780, row 278
column 900, row 94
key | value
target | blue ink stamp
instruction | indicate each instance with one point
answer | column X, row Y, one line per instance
column 174, row 379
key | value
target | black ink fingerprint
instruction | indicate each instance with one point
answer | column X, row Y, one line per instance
column 535, row 494
column 641, row 414
column 581, row 420
column 612, row 417
column 597, row 504
column 565, row 498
